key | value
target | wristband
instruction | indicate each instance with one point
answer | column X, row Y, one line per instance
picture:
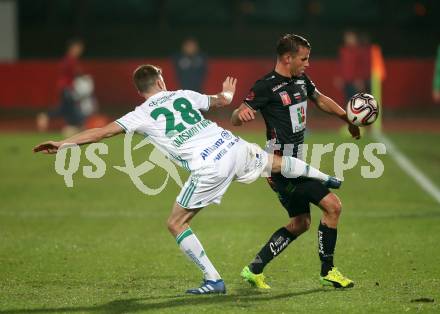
column 228, row 96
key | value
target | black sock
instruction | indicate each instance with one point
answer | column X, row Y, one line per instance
column 276, row 244
column 326, row 247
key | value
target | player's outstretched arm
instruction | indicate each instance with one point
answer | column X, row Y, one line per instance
column 328, row 105
column 84, row 137
column 224, row 98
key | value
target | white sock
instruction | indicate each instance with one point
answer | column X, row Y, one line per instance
column 192, row 248
column 292, row 167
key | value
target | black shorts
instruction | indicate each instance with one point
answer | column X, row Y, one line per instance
column 296, row 194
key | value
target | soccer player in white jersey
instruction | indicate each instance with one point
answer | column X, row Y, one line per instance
column 214, row 156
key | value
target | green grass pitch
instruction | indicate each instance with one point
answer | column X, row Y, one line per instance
column 103, row 247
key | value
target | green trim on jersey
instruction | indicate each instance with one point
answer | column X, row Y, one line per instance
column 187, row 194
column 183, row 235
column 121, row 125
column 184, row 163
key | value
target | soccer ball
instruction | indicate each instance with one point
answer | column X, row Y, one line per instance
column 362, row 109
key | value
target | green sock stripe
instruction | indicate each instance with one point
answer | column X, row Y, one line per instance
column 183, row 235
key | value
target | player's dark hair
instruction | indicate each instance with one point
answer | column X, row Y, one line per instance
column 145, row 76
column 291, row 43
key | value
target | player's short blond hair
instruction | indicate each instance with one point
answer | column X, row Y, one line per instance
column 145, row 76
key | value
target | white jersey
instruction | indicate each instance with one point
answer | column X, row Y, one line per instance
column 174, row 124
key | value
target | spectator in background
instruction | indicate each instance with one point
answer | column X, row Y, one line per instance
column 355, row 63
column 436, row 80
column 190, row 66
column 68, row 107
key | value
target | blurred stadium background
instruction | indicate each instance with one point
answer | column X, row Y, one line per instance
column 237, row 36
column 101, row 247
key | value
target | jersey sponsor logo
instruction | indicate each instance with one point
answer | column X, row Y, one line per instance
column 226, row 135
column 220, row 154
column 207, row 151
column 285, row 98
column 301, row 114
column 250, row 96
column 298, row 116
column 277, row 87
column 297, row 96
column 232, row 143
column 161, row 100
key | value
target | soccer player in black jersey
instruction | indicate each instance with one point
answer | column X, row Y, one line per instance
column 281, row 97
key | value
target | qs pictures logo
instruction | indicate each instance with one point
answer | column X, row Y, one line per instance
column 67, row 167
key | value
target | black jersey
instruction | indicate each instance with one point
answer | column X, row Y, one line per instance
column 283, row 103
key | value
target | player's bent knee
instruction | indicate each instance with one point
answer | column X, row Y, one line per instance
column 332, row 205
column 294, row 229
column 306, row 224
column 172, row 225
column 335, row 208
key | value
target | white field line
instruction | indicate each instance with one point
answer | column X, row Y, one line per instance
column 407, row 166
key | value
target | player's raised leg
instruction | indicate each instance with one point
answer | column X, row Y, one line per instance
column 178, row 225
column 327, row 236
column 292, row 167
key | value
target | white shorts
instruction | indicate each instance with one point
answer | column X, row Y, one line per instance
column 243, row 163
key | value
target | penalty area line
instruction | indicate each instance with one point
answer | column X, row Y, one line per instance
column 407, row 166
